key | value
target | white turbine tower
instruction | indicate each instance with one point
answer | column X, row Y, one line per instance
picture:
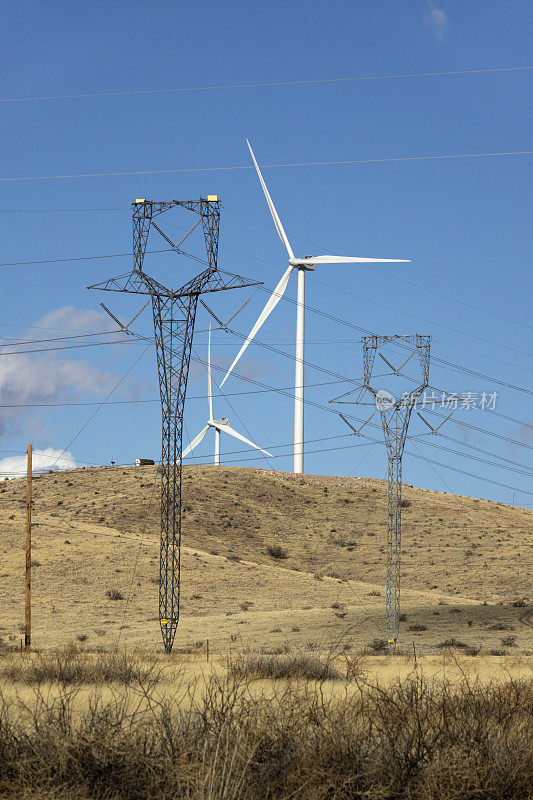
column 302, row 265
column 218, row 424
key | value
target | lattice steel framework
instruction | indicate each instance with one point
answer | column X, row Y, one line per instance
column 395, row 414
column 174, row 313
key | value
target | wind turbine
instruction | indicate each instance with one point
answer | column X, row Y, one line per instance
column 218, row 424
column 302, row 265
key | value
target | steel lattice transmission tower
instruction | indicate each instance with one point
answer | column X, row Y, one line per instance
column 174, row 313
column 395, row 413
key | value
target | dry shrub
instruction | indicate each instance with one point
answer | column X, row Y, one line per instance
column 276, row 551
column 378, row 646
column 70, row 665
column 114, row 594
column 414, row 739
column 453, row 642
column 284, row 665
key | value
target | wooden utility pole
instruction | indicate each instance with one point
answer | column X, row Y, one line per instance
column 27, row 630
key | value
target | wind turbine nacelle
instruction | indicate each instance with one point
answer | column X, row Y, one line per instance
column 215, row 422
column 301, row 264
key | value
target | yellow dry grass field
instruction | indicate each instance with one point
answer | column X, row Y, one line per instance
column 466, row 564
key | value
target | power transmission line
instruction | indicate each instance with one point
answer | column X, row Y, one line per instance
column 389, row 308
column 330, row 410
column 93, row 415
column 371, row 267
column 396, row 277
column 481, row 450
column 53, row 210
column 308, row 82
column 374, row 302
column 78, row 258
column 67, row 347
column 470, row 474
column 371, row 442
column 526, row 471
column 156, row 400
column 269, row 166
column 279, row 390
column 288, row 299
column 17, row 342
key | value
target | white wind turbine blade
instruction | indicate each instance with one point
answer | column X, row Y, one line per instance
column 348, row 260
column 277, row 221
column 271, row 303
column 195, row 441
column 229, row 430
column 209, row 389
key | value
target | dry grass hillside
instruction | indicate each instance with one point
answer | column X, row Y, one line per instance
column 466, row 569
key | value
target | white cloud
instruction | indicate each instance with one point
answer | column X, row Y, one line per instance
column 29, row 380
column 42, row 462
column 26, row 380
column 75, row 320
column 437, row 19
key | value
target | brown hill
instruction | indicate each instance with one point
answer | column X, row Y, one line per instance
column 466, row 562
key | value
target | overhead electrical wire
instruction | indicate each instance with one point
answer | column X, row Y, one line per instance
column 449, row 398
column 246, row 393
column 396, row 277
column 493, row 411
column 288, row 299
column 460, row 368
column 67, row 347
column 457, row 367
column 54, row 210
column 447, row 363
column 185, row 170
column 485, row 431
column 480, row 450
column 326, row 408
column 78, row 258
column 157, row 399
column 527, row 471
column 93, row 415
column 356, row 327
column 288, row 393
column 345, row 291
column 470, row 474
column 371, row 267
column 16, row 342
column 375, row 302
column 201, row 361
column 257, row 85
column 371, row 442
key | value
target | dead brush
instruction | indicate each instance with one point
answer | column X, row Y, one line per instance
column 71, row 666
column 300, row 665
column 416, row 739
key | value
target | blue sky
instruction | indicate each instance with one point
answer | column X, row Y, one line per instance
column 465, row 223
